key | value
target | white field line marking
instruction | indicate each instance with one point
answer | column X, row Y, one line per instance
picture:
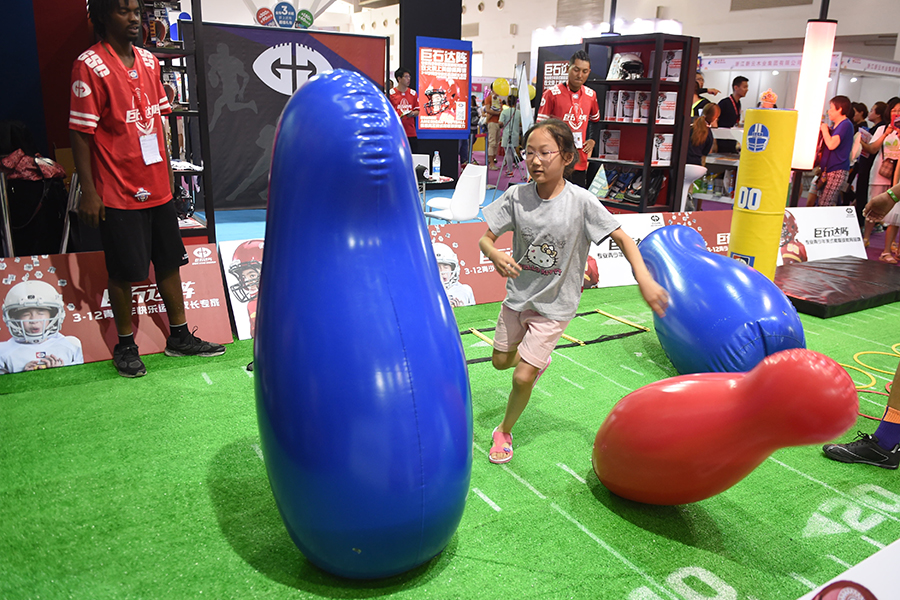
column 258, row 451
column 632, row 370
column 543, row 391
column 882, row 309
column 613, row 551
column 881, row 404
column 568, row 517
column 856, row 319
column 571, row 472
column 805, row 330
column 875, row 543
column 873, row 317
column 663, row 367
column 487, row 500
column 206, row 378
column 843, row 563
column 249, row 373
column 572, row 382
column 803, row 580
column 837, row 491
column 856, row 336
column 593, row 371
column 511, row 472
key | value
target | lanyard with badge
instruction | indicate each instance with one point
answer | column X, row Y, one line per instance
column 149, row 141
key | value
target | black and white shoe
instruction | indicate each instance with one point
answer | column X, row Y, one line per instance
column 864, row 450
column 192, row 346
column 127, row 361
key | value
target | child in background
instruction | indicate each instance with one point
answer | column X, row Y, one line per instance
column 553, row 224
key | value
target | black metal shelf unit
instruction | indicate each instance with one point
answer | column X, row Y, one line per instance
column 196, row 130
column 640, row 155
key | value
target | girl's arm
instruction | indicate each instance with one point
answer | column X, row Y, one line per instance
column 503, row 262
column 654, row 295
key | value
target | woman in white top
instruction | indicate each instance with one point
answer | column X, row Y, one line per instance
column 884, row 138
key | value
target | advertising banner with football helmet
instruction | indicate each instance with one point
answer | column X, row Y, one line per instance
column 56, row 310
column 249, row 75
column 242, row 262
column 443, row 74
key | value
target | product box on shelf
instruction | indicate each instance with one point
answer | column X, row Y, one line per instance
column 641, row 106
column 671, row 65
column 662, row 149
column 608, row 145
column 625, row 111
column 666, row 108
column 611, row 106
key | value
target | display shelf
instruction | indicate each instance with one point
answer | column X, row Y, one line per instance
column 638, row 148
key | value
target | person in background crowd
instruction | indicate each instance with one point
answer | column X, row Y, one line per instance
column 767, row 99
column 699, row 102
column 883, row 133
column 702, row 140
column 574, row 103
column 493, row 106
column 404, row 100
column 860, row 112
column 730, row 107
column 126, row 176
column 837, row 142
column 511, row 121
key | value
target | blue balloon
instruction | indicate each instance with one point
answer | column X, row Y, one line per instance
column 362, row 393
column 723, row 315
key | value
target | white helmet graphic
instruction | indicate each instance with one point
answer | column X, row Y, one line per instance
column 33, row 294
column 446, row 256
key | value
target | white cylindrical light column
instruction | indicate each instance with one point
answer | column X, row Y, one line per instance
column 814, row 69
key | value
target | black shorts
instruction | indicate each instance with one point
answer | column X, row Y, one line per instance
column 133, row 238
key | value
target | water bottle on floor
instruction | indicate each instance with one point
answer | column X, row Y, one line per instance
column 436, row 165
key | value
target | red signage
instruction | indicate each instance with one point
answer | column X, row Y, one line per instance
column 56, row 309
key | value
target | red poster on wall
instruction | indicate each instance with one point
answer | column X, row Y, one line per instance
column 56, row 309
column 443, row 74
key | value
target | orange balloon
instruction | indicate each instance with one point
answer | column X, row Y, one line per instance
column 687, row 438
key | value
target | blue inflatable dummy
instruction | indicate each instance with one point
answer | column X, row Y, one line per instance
column 362, row 394
column 723, row 315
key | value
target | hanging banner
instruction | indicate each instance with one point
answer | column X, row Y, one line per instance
column 249, row 73
column 443, row 75
column 56, row 309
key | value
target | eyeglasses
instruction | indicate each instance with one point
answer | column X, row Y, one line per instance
column 543, row 156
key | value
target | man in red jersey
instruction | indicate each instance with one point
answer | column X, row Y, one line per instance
column 576, row 104
column 126, row 177
column 404, row 100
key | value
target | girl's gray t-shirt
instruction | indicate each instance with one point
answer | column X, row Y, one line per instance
column 551, row 241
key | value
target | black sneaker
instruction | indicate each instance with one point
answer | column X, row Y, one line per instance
column 864, row 450
column 128, row 361
column 192, row 346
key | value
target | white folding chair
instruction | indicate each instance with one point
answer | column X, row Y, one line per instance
column 467, row 198
column 691, row 174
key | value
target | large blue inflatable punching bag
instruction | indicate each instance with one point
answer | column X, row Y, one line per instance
column 362, row 393
column 723, row 316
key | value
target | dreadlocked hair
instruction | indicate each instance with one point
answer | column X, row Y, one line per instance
column 99, row 10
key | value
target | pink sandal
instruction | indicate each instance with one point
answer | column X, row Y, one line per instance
column 887, row 257
column 502, row 443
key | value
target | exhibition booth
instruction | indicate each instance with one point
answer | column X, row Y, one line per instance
column 341, row 461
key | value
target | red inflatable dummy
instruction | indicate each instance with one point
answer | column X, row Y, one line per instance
column 688, row 438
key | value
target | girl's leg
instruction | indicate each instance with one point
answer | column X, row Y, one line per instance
column 523, row 382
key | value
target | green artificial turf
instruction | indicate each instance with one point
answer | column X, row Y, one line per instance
column 155, row 487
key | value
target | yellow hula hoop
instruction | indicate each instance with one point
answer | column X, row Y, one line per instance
column 896, row 349
column 869, row 375
column 858, row 354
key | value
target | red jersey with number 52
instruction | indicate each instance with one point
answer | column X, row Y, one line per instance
column 119, row 107
column 575, row 108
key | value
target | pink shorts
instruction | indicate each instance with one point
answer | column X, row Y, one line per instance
column 534, row 335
